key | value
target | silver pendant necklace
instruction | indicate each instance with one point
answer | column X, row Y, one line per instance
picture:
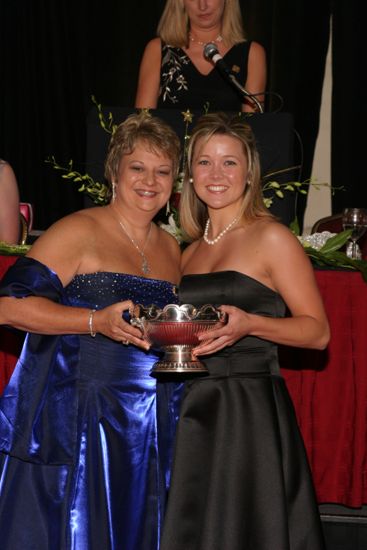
column 221, row 234
column 144, row 262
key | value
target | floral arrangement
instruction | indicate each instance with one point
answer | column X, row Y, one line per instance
column 329, row 253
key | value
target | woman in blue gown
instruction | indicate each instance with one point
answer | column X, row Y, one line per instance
column 85, row 431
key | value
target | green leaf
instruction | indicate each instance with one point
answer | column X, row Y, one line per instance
column 7, row 249
column 336, row 242
column 336, row 259
column 294, row 226
column 274, row 184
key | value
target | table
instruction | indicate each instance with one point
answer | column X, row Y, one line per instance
column 10, row 340
column 329, row 392
column 328, row 388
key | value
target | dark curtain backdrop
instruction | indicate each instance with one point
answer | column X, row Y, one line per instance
column 55, row 55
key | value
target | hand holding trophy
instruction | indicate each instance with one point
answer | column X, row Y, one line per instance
column 175, row 330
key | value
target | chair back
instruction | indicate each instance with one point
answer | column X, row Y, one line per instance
column 26, row 209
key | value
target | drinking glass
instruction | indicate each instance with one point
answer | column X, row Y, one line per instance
column 356, row 220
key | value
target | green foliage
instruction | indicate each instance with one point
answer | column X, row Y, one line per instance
column 98, row 192
column 330, row 254
column 7, row 249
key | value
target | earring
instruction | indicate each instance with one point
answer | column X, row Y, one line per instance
column 113, row 191
column 191, row 180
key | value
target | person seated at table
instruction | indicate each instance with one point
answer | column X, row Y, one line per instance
column 83, row 462
column 174, row 72
column 9, row 204
column 240, row 477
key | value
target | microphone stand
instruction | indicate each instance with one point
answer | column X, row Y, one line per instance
column 211, row 54
column 244, row 92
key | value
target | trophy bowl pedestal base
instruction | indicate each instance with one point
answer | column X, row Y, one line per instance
column 177, row 359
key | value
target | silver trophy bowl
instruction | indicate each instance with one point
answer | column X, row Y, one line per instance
column 174, row 329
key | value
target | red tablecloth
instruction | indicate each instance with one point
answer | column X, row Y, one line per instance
column 10, row 341
column 329, row 388
column 329, row 392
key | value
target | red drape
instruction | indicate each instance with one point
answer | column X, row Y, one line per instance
column 328, row 388
column 10, row 341
column 329, row 392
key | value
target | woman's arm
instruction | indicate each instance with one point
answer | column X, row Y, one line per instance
column 256, row 74
column 149, row 76
column 291, row 275
column 42, row 316
column 67, row 248
column 9, row 205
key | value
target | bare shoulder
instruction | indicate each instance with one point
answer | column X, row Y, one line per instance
column 64, row 244
column 269, row 228
column 188, row 253
column 72, row 228
column 276, row 237
column 257, row 51
column 7, row 176
column 170, row 242
column 152, row 50
column 283, row 256
column 149, row 76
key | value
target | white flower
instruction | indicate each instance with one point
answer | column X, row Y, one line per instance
column 316, row 240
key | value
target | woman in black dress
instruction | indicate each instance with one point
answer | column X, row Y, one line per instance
column 240, row 479
column 174, row 72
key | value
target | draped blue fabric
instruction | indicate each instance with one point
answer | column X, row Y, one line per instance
column 85, row 431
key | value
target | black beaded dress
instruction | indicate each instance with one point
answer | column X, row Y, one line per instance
column 240, row 479
column 183, row 86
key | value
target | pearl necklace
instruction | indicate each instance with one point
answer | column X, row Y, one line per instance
column 144, row 265
column 221, row 234
column 218, row 39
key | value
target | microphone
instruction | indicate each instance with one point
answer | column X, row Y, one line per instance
column 211, row 53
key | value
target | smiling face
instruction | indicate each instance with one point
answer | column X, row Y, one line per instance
column 145, row 179
column 219, row 169
column 204, row 14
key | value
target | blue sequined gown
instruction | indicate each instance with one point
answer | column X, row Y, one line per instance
column 85, row 431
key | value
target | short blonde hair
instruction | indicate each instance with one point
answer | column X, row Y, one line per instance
column 174, row 25
column 193, row 212
column 142, row 127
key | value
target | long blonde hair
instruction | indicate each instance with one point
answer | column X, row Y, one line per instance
column 193, row 211
column 174, row 24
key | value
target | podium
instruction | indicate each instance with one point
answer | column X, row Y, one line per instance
column 274, row 133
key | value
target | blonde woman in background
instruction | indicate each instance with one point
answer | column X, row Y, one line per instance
column 174, row 72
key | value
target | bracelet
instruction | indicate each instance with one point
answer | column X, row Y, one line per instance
column 90, row 323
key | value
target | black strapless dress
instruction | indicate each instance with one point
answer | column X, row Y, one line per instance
column 241, row 479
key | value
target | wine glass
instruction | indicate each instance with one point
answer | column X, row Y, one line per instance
column 355, row 219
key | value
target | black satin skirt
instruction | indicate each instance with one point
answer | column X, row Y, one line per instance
column 241, row 480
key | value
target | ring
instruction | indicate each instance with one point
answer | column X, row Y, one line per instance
column 125, row 342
